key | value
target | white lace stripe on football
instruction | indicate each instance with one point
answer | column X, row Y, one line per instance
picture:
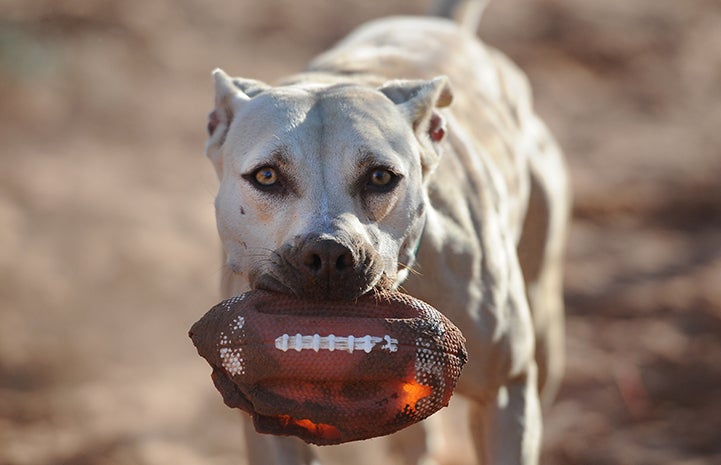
column 317, row 342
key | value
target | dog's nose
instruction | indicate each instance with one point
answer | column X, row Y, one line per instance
column 324, row 267
column 326, row 259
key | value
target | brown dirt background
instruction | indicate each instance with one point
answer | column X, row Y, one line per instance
column 108, row 250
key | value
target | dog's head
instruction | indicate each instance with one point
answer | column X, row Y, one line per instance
column 322, row 186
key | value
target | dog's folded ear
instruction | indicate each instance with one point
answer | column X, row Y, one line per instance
column 417, row 101
column 417, row 98
column 230, row 95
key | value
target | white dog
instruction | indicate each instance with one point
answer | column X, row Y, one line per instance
column 408, row 155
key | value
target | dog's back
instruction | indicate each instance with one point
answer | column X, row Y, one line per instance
column 492, row 104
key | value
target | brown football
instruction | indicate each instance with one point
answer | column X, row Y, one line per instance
column 331, row 371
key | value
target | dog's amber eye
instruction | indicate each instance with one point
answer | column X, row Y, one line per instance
column 381, row 180
column 381, row 177
column 266, row 176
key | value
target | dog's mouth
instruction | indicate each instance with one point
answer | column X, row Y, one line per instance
column 270, row 283
column 323, row 267
column 380, row 285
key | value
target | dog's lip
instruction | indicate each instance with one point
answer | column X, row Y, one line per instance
column 267, row 282
column 271, row 284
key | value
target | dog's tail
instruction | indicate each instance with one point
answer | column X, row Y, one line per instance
column 466, row 12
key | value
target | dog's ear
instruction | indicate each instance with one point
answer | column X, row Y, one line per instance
column 230, row 95
column 417, row 100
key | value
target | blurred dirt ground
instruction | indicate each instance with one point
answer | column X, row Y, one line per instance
column 108, row 250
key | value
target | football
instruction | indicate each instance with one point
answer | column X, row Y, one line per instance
column 331, row 371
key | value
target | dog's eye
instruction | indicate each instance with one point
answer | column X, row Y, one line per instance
column 270, row 180
column 382, row 180
column 266, row 176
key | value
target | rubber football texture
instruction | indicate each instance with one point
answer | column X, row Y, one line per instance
column 331, row 372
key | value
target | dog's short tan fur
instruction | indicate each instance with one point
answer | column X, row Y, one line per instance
column 474, row 223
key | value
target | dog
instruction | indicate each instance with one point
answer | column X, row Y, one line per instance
column 406, row 157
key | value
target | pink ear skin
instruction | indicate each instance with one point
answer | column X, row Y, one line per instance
column 213, row 122
column 436, row 127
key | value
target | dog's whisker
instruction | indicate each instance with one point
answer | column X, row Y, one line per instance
column 411, row 269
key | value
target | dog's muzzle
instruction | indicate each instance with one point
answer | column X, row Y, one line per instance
column 322, row 267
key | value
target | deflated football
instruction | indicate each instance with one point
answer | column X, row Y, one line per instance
column 335, row 371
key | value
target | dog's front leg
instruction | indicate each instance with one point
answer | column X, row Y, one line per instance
column 482, row 290
column 264, row 449
column 507, row 430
